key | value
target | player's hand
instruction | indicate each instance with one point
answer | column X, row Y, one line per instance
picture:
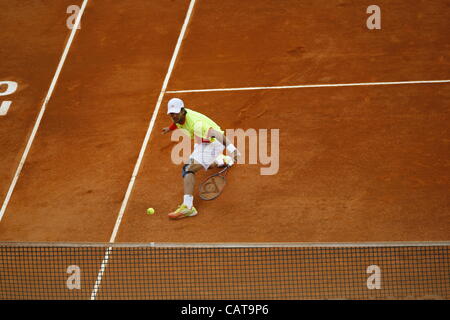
column 165, row 130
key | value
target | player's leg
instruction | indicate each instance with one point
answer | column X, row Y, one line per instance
column 189, row 177
column 187, row 209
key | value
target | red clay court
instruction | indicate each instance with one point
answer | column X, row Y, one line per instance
column 363, row 117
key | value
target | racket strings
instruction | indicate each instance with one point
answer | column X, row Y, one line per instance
column 211, row 188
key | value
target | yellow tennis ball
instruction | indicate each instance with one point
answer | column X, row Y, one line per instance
column 150, row 211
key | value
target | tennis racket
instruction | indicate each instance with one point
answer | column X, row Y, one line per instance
column 213, row 186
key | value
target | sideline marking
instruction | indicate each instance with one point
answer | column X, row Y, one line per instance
column 141, row 153
column 311, row 86
column 41, row 113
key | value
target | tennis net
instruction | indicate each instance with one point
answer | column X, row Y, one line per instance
column 225, row 271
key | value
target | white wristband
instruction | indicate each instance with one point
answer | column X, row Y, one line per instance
column 231, row 148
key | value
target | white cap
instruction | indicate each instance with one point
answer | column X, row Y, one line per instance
column 175, row 105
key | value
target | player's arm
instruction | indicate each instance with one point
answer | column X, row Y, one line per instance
column 172, row 127
column 224, row 140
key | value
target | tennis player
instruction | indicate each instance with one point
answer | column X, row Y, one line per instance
column 209, row 144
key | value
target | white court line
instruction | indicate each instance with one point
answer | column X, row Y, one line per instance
column 41, row 113
column 226, row 244
column 141, row 154
column 311, row 86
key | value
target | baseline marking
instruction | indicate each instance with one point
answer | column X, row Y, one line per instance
column 41, row 113
column 141, row 154
column 312, row 86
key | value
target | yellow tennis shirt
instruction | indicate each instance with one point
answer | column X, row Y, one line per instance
column 198, row 125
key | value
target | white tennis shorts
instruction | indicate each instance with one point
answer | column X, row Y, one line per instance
column 206, row 153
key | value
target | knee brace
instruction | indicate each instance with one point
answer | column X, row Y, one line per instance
column 185, row 170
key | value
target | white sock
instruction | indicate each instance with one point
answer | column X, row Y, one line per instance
column 188, row 201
